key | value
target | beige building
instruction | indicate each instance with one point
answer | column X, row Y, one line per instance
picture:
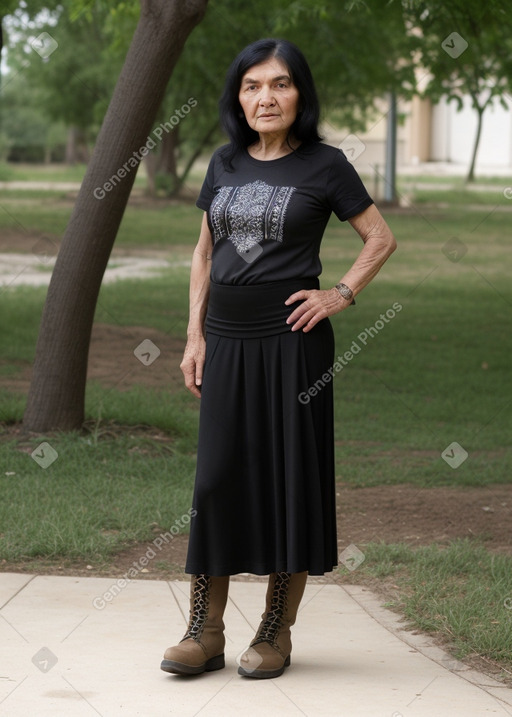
column 432, row 137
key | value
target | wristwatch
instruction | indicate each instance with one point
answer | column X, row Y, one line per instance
column 344, row 291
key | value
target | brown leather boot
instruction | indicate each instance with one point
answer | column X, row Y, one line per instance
column 202, row 647
column 269, row 652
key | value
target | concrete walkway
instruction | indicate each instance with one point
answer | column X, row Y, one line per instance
column 88, row 646
column 35, row 269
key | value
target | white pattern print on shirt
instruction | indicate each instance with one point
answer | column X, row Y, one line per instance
column 249, row 214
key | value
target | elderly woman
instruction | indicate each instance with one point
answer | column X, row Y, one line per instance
column 258, row 336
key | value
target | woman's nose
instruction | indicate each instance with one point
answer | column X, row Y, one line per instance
column 266, row 96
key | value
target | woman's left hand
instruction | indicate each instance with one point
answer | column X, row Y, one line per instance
column 316, row 305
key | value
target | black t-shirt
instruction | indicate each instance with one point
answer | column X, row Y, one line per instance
column 267, row 218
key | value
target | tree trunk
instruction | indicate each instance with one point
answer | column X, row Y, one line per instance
column 167, row 157
column 150, row 163
column 76, row 146
column 71, row 145
column 195, row 155
column 57, row 391
column 166, row 177
column 471, row 173
column 162, row 161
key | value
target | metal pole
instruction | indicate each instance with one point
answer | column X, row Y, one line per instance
column 390, row 172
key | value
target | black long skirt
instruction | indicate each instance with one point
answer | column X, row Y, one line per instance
column 264, row 495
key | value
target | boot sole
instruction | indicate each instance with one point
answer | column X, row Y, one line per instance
column 180, row 668
column 265, row 674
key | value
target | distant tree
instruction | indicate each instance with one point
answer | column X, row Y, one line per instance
column 30, row 135
column 358, row 51
column 8, row 6
column 56, row 395
column 6, row 9
column 466, row 47
column 360, row 54
column 57, row 390
column 29, row 9
column 227, row 27
column 74, row 78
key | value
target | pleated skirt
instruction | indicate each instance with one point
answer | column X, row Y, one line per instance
column 264, row 493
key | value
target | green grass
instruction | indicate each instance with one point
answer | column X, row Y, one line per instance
column 418, row 385
column 167, row 224
column 454, row 181
column 460, row 197
column 160, row 303
column 176, row 415
column 107, row 487
column 19, row 320
column 461, row 592
column 163, row 225
column 428, row 189
column 437, row 372
column 13, row 172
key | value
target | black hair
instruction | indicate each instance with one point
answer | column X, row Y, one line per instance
column 305, row 127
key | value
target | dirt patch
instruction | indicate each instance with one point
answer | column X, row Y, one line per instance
column 391, row 514
column 27, row 241
column 113, row 363
column 419, row 516
column 112, row 360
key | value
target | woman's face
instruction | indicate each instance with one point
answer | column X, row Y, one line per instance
column 268, row 97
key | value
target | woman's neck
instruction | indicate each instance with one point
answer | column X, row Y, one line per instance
column 270, row 147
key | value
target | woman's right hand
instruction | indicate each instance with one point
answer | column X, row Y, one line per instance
column 193, row 363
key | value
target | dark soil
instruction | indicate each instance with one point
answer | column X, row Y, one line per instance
column 392, row 514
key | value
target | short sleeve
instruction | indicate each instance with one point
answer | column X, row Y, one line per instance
column 207, row 192
column 345, row 191
column 214, row 174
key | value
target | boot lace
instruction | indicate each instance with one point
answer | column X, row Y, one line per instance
column 200, row 605
column 269, row 629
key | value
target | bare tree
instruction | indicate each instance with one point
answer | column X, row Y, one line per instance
column 57, row 391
